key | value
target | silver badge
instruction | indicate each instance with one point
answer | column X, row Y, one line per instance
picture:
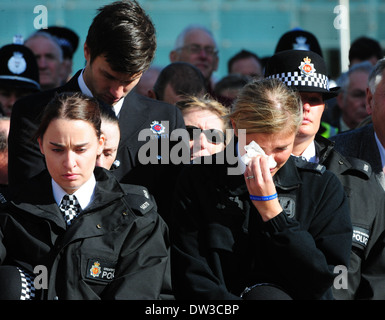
column 17, row 64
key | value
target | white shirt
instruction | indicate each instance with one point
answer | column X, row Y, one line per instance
column 85, row 90
column 84, row 194
column 309, row 154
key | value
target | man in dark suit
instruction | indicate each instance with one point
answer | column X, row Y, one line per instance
column 117, row 51
column 368, row 143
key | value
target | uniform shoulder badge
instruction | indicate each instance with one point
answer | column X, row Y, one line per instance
column 306, row 67
column 95, row 269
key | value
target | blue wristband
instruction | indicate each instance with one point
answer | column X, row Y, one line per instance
column 263, row 198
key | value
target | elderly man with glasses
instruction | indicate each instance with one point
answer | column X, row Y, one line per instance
column 196, row 45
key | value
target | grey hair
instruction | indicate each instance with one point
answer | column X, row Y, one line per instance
column 179, row 43
column 53, row 39
column 376, row 76
column 364, row 66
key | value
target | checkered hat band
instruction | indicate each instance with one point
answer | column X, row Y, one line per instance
column 317, row 80
column 27, row 285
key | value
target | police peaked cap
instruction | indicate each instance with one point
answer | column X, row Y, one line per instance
column 298, row 39
column 68, row 40
column 18, row 68
column 304, row 71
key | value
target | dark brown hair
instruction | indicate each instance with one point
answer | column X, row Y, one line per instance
column 71, row 106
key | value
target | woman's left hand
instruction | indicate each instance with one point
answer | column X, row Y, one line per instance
column 259, row 182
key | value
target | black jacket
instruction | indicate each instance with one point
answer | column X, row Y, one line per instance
column 367, row 270
column 117, row 248
column 220, row 245
column 137, row 113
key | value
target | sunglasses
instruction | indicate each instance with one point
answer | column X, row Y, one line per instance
column 213, row 135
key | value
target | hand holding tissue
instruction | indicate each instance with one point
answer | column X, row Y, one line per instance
column 252, row 150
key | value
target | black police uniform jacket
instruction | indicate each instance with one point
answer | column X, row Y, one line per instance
column 117, row 248
column 220, row 244
column 137, row 113
column 367, row 271
column 367, row 210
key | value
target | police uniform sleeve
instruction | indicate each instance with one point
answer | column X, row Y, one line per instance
column 144, row 270
column 308, row 251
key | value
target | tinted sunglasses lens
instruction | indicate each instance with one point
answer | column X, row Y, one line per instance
column 214, row 136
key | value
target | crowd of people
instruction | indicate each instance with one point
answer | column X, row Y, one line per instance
column 282, row 185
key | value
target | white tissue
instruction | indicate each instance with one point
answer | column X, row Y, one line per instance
column 252, row 150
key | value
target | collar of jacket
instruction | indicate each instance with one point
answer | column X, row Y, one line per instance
column 323, row 147
column 339, row 164
column 36, row 196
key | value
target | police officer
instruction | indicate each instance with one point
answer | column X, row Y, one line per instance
column 306, row 72
column 19, row 74
column 97, row 239
column 270, row 222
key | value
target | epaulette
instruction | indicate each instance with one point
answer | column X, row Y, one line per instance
column 360, row 165
column 138, row 198
column 302, row 163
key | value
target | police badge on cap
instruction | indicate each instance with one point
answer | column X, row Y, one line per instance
column 302, row 70
column 18, row 68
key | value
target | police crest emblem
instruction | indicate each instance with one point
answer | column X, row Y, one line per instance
column 95, row 269
column 17, row 63
column 157, row 127
column 306, row 67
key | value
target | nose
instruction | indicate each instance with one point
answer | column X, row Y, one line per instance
column 306, row 106
column 69, row 160
column 203, row 141
column 42, row 63
column 117, row 91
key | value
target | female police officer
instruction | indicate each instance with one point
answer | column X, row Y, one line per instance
column 107, row 242
column 286, row 224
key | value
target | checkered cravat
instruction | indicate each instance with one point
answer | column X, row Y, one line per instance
column 70, row 208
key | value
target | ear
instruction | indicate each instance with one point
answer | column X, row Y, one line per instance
column 174, row 56
column 102, row 139
column 340, row 100
column 369, row 101
column 87, row 53
column 151, row 94
column 216, row 62
column 40, row 145
column 234, row 127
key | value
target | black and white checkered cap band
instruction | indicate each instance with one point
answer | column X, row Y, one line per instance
column 27, row 285
column 296, row 78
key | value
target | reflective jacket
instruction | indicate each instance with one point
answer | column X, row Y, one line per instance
column 117, row 248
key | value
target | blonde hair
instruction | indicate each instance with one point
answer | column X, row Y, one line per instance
column 267, row 106
column 205, row 102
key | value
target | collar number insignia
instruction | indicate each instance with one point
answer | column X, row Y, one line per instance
column 306, row 67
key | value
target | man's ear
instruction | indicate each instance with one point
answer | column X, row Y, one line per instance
column 174, row 56
column 87, row 52
column 151, row 94
column 369, row 101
